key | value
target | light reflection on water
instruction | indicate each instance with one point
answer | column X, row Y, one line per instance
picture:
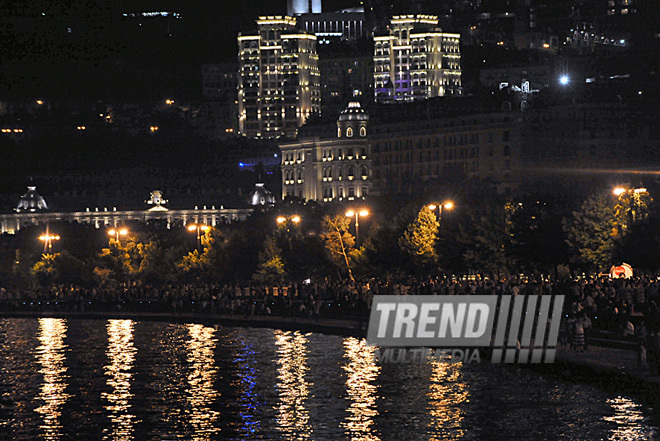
column 121, row 354
column 246, row 385
column 51, row 356
column 293, row 388
column 150, row 381
column 201, row 393
column 631, row 423
column 447, row 393
column 362, row 373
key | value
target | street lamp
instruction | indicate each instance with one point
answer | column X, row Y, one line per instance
column 357, row 214
column 48, row 239
column 284, row 220
column 447, row 205
column 199, row 228
column 636, row 194
column 117, row 232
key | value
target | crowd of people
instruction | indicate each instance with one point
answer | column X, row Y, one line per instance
column 623, row 309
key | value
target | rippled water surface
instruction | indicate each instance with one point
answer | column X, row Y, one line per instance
column 126, row 380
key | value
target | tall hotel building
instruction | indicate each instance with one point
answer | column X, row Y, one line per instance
column 279, row 80
column 416, row 60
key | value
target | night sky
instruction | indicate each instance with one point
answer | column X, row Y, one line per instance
column 88, row 49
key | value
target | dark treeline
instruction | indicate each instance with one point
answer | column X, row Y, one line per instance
column 560, row 236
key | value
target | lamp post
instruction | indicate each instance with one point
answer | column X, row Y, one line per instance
column 48, row 239
column 283, row 221
column 199, row 228
column 636, row 198
column 357, row 214
column 117, row 232
column 447, row 205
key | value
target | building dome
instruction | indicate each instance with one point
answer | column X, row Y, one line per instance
column 31, row 201
column 352, row 121
column 354, row 112
column 261, row 196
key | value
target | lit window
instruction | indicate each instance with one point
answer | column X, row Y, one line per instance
column 363, row 131
column 349, row 132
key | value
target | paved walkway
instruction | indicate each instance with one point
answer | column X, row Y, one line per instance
column 609, row 359
column 307, row 324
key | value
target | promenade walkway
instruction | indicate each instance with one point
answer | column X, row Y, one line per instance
column 609, row 360
column 306, row 324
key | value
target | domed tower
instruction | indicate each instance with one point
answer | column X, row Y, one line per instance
column 352, row 122
column 261, row 196
column 31, row 201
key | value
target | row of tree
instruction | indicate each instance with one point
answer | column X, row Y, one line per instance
column 532, row 235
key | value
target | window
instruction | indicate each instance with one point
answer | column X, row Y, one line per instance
column 364, row 171
column 338, row 132
column 507, row 150
column 363, row 131
column 349, row 132
column 350, row 173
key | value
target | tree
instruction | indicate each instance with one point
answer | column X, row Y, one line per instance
column 45, row 269
column 338, row 241
column 534, row 227
column 418, row 241
column 211, row 262
column 592, row 232
column 271, row 267
column 483, row 234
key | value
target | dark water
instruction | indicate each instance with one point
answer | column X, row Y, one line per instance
column 125, row 380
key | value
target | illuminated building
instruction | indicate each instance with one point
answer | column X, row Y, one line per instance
column 345, row 25
column 32, row 210
column 332, row 168
column 403, row 154
column 343, row 77
column 279, row 80
column 297, row 7
column 416, row 60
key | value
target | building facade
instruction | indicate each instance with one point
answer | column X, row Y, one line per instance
column 402, row 157
column 279, row 79
column 406, row 156
column 297, row 7
column 332, row 168
column 415, row 60
column 346, row 25
column 344, row 78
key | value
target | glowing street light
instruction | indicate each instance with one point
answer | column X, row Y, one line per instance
column 564, row 80
column 447, row 205
column 117, row 232
column 284, row 221
column 357, row 214
column 635, row 200
column 199, row 228
column 48, row 239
